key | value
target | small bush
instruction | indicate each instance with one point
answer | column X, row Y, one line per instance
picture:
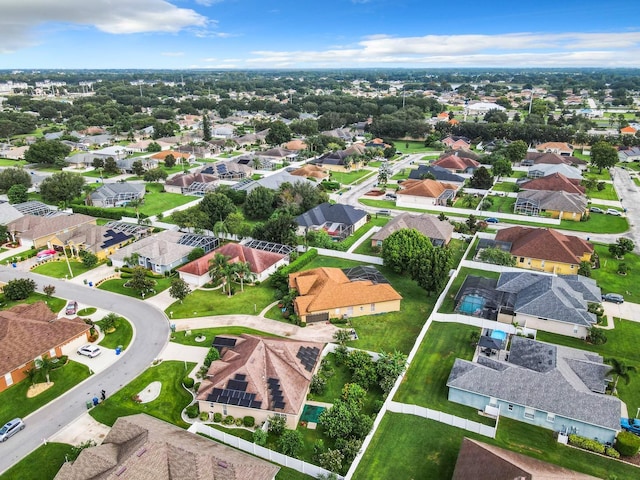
column 192, row 410
column 248, row 421
column 627, row 444
column 260, row 437
column 239, row 422
column 217, row 417
column 204, row 416
column 228, row 420
column 611, row 452
column 196, row 386
column 586, row 444
column 188, row 382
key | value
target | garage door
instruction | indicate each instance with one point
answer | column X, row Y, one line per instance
column 318, row 317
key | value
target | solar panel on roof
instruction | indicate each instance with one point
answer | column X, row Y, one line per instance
column 237, row 385
column 244, row 402
column 240, row 376
column 279, row 405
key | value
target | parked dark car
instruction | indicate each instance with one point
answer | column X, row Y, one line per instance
column 613, row 297
column 492, row 220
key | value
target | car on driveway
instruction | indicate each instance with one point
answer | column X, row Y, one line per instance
column 391, row 196
column 492, row 220
column 613, row 211
column 384, row 212
column 10, row 429
column 613, row 297
column 72, row 308
column 89, row 350
column 596, row 210
column 631, row 425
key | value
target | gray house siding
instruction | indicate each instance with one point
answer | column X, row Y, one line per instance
column 540, row 418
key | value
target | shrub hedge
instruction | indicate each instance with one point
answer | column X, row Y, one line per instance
column 627, row 444
column 595, row 446
column 192, row 411
column 249, row 421
column 188, row 382
column 217, row 417
column 112, row 213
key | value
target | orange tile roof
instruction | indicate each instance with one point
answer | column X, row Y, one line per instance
column 325, row 288
column 555, row 182
column 425, row 188
column 628, row 129
column 544, row 244
column 163, row 154
column 28, row 331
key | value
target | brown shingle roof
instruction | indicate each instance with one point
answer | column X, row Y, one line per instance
column 544, row 244
column 553, row 158
column 327, row 288
column 28, row 331
column 261, row 358
column 454, row 162
column 259, row 260
column 186, row 179
column 426, row 188
column 311, row 171
column 559, row 146
column 34, row 227
column 429, row 225
column 149, row 449
column 555, row 182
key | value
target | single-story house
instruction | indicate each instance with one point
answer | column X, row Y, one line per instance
column 164, row 251
column 277, row 154
column 480, row 108
column 628, row 130
column 116, row 152
column 454, row 141
column 252, row 138
column 8, row 213
column 438, row 231
column 126, row 164
column 227, row 170
column 545, row 169
column 546, row 249
column 37, row 231
column 424, row 193
column 338, row 220
column 295, row 145
column 262, row 263
column 97, row 239
column 562, row 205
column 179, row 156
column 116, row 194
column 335, row 161
column 81, row 160
column 259, row 377
column 139, row 146
column 555, row 182
column 191, row 183
column 554, row 387
column 481, row 461
column 29, row 332
column 536, row 158
column 629, row 154
column 561, row 148
column 15, row 153
column 325, row 293
column 341, row 133
column 439, row 173
column 145, row 447
column 272, row 182
column 309, row 170
column 457, row 164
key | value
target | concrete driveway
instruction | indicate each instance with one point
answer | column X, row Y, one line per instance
column 626, row 310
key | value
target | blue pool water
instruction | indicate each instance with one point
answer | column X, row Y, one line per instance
column 499, row 335
column 471, row 303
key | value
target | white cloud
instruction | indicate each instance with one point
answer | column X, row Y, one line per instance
column 504, row 50
column 20, row 19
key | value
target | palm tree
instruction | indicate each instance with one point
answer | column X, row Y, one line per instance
column 229, row 271
column 620, row 369
column 217, row 266
column 30, row 373
column 132, row 260
column 135, row 203
column 243, row 272
column 220, row 229
column 45, row 364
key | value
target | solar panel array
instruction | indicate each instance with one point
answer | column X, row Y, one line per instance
column 308, row 357
column 220, row 342
column 222, row 170
column 235, row 393
column 243, row 184
column 113, row 238
column 275, row 392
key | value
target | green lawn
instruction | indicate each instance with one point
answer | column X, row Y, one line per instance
column 365, row 248
column 60, row 269
column 608, row 193
column 48, row 458
column 505, row 187
column 594, row 172
column 96, row 174
column 608, row 278
column 210, row 334
column 425, row 381
column 461, row 202
column 402, row 174
column 157, row 200
column 347, row 178
column 501, row 204
column 406, row 446
column 14, row 401
column 203, row 303
column 448, row 304
column 412, row 146
column 168, row 406
column 122, row 335
column 117, row 286
column 374, row 222
column 55, row 304
column 622, row 344
column 7, row 162
column 85, row 312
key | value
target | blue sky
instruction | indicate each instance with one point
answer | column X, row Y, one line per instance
column 249, row 34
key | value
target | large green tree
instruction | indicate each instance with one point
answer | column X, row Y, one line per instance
column 516, row 151
column 139, row 280
column 179, row 289
column 17, row 194
column 62, row 187
column 14, row 176
column 49, row 152
column 281, row 229
column 481, row 179
column 603, row 155
column 402, row 246
column 217, row 207
column 19, row 289
column 279, row 133
column 259, row 204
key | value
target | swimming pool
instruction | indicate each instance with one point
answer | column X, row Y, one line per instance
column 311, row 413
column 471, row 303
column 499, row 335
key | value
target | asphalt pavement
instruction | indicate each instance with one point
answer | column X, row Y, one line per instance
column 629, row 195
column 152, row 333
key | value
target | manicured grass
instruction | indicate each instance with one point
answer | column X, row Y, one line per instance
column 374, row 222
column 48, row 458
column 505, row 187
column 413, row 146
column 365, row 248
column 402, row 174
column 117, row 286
column 425, row 381
column 608, row 278
column 203, row 303
column 428, row 450
column 502, row 204
column 122, row 335
column 461, row 202
column 608, row 193
column 594, row 172
column 157, row 200
column 85, row 312
column 347, row 178
column 14, row 401
column 55, row 304
column 7, row 162
column 168, row 406
column 60, row 269
column 518, row 174
column 210, row 334
column 597, row 223
column 448, row 305
column 335, row 382
column 96, row 174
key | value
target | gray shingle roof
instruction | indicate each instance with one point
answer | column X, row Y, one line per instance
column 326, row 212
column 548, row 200
column 441, row 174
column 110, row 190
column 556, row 389
column 429, row 225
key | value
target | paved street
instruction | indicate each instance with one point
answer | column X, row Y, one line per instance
column 629, row 195
column 152, row 333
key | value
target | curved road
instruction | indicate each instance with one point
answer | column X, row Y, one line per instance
column 152, row 334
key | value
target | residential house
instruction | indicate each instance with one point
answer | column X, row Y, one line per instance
column 29, row 332
column 562, row 205
column 126, row 164
column 180, row 157
column 455, row 142
column 554, row 387
column 272, row 182
column 338, row 220
column 425, row 193
column 277, row 155
column 457, row 164
column 481, row 461
column 628, row 130
column 335, row 161
column 101, row 140
column 255, row 161
column 97, row 239
column 8, row 213
column 117, row 152
column 259, row 377
column 555, row 182
column 438, row 231
column 163, row 251
column 252, row 138
column 80, row 160
column 629, row 154
column 261, row 262
column 545, row 169
column 295, row 145
column 480, row 108
column 311, row 171
column 145, row 447
column 15, row 153
column 227, row 170
column 561, row 148
column 325, row 293
column 439, row 173
column 116, row 194
column 196, row 183
column 341, row 133
column 38, row 231
column 546, row 249
column 536, row 158
column 139, row 146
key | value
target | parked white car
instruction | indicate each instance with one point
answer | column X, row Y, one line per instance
column 89, row 350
